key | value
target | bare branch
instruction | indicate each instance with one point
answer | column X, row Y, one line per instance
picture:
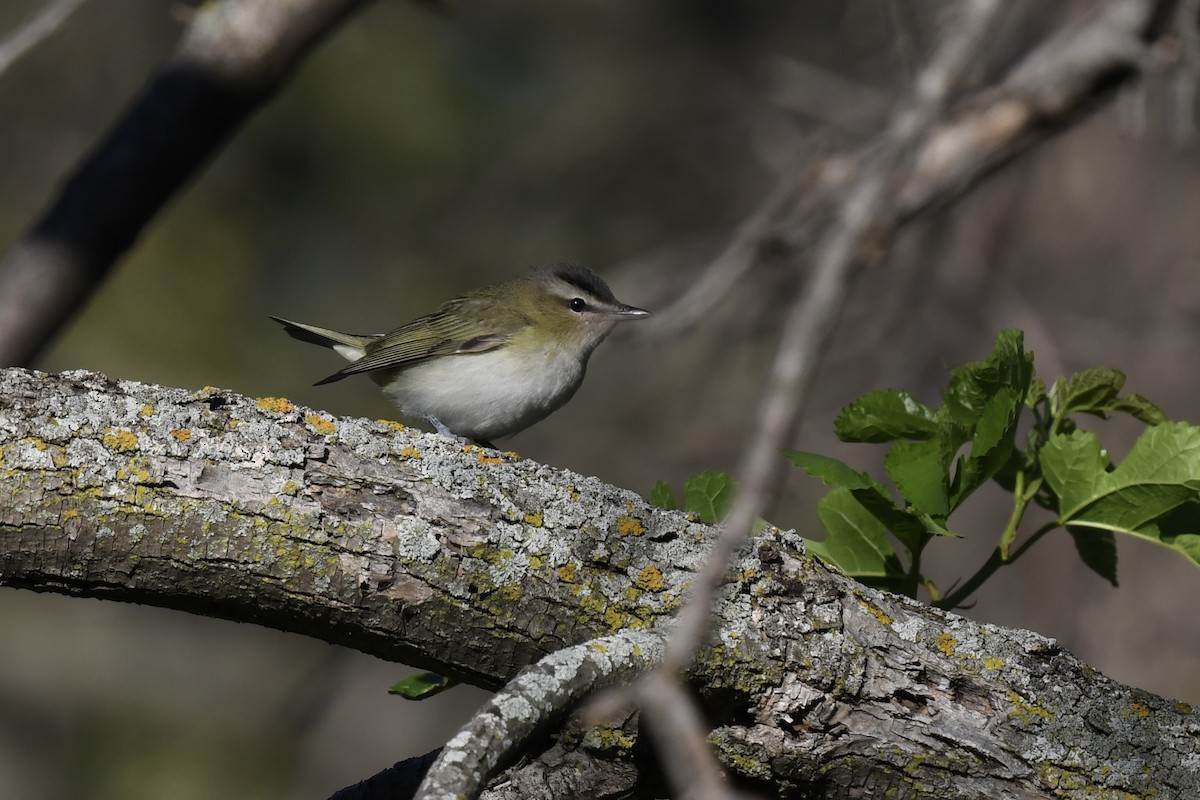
column 861, row 218
column 35, row 31
column 233, row 57
column 540, row 694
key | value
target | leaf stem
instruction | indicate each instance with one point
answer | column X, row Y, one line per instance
column 1020, row 503
column 995, row 561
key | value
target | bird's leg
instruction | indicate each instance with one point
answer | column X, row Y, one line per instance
column 441, row 428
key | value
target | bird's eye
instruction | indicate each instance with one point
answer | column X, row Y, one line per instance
column 577, row 304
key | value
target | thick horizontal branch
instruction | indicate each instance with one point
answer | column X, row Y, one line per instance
column 476, row 563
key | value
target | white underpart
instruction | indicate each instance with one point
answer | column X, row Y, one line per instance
column 348, row 352
column 485, row 395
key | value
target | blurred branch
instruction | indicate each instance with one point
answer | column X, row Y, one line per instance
column 1187, row 74
column 1057, row 84
column 411, row 547
column 842, row 251
column 233, row 57
column 35, row 31
column 926, row 154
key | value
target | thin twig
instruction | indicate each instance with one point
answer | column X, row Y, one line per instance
column 1187, row 73
column 743, row 251
column 815, row 313
column 36, row 30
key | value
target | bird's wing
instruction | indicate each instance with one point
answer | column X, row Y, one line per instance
column 453, row 329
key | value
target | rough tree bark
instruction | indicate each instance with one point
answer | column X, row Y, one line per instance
column 477, row 563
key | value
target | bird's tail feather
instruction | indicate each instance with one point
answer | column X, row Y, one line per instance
column 323, row 336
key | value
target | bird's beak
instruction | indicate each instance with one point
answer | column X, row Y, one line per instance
column 629, row 311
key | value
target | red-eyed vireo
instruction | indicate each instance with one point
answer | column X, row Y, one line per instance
column 489, row 363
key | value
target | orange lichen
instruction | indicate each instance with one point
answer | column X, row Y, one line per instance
column 122, row 441
column 876, row 612
column 630, row 526
column 280, row 405
column 320, row 424
column 409, row 451
column 650, row 579
column 181, row 434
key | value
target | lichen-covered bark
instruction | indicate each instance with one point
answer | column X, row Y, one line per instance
column 476, row 563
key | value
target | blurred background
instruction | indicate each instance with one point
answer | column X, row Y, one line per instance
column 417, row 155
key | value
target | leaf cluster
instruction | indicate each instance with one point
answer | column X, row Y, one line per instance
column 997, row 422
column 939, row 457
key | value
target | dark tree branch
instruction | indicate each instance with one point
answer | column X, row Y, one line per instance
column 233, row 57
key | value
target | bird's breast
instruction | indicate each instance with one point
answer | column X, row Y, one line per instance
column 487, row 395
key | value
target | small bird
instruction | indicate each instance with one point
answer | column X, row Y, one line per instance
column 492, row 362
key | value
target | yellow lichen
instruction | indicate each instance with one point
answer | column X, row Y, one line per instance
column 992, row 663
column 946, row 643
column 70, row 513
column 291, row 488
column 566, row 573
column 36, row 442
column 392, row 424
column 878, row 613
column 630, row 526
column 1183, row 708
column 1136, row 710
column 320, row 424
column 535, row 562
column 650, row 579
column 408, row 451
column 280, row 405
column 181, row 434
column 1027, row 712
column 122, row 441
column 147, row 410
column 534, row 519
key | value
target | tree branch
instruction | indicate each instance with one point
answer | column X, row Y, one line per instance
column 35, row 31
column 476, row 564
column 232, row 59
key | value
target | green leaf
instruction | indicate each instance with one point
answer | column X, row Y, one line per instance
column 885, row 416
column 831, row 471
column 1036, row 393
column 1149, row 495
column 855, row 540
column 1141, row 409
column 662, row 496
column 709, row 494
column 910, row 528
column 422, row 686
column 1097, row 549
column 974, row 384
column 921, row 473
column 1092, row 391
column 991, row 444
